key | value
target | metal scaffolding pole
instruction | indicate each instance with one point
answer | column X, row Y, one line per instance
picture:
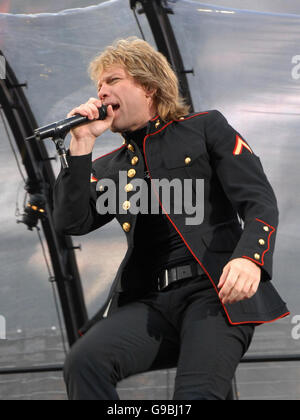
column 40, row 182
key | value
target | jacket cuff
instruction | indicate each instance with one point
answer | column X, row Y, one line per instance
column 257, row 245
column 77, row 161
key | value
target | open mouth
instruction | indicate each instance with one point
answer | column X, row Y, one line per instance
column 116, row 107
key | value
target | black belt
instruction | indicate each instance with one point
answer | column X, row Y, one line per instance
column 170, row 275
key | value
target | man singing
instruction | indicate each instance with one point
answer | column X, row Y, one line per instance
column 186, row 295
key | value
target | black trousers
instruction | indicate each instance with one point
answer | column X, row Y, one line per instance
column 182, row 326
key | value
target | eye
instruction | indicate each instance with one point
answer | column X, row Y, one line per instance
column 109, row 81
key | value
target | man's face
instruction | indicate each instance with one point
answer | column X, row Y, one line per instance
column 132, row 108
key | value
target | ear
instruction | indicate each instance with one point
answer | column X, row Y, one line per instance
column 150, row 92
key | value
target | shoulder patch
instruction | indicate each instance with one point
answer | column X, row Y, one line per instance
column 240, row 144
column 93, row 178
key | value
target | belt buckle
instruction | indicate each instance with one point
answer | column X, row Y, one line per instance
column 164, row 279
column 184, row 272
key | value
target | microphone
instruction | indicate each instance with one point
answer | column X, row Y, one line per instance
column 60, row 129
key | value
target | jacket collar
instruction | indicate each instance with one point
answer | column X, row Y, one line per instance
column 153, row 126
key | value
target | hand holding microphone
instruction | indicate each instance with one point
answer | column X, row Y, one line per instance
column 84, row 136
column 91, row 110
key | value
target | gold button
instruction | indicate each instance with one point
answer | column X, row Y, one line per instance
column 126, row 205
column 134, row 160
column 131, row 148
column 128, row 187
column 187, row 160
column 262, row 242
column 126, row 226
column 131, row 173
column 266, row 229
column 257, row 256
column 157, row 124
column 101, row 188
column 181, row 118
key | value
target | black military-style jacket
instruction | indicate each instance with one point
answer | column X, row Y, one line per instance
column 240, row 208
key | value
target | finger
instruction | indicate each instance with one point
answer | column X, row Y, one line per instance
column 223, row 276
column 79, row 110
column 247, row 290
column 84, row 109
column 237, row 292
column 95, row 101
column 110, row 111
column 93, row 111
column 228, row 285
column 253, row 288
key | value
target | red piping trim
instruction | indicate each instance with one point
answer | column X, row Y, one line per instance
column 192, row 116
column 153, row 119
column 265, row 223
column 204, row 269
column 260, row 322
column 171, row 122
column 266, row 250
column 176, row 226
column 199, row 262
column 165, row 126
column 119, row 148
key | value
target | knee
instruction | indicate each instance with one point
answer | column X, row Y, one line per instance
column 87, row 372
column 75, row 361
column 72, row 362
column 83, row 360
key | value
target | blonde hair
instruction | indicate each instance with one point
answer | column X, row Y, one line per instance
column 149, row 69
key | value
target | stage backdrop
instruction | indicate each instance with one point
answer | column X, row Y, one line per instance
column 247, row 65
